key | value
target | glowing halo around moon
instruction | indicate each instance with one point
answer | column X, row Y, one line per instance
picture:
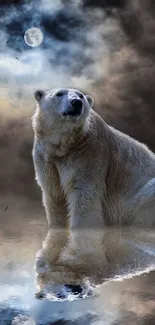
column 33, row 37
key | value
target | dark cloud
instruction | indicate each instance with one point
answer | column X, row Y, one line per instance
column 9, row 2
column 127, row 93
column 105, row 3
column 63, row 24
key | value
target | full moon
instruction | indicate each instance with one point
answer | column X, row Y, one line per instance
column 33, row 36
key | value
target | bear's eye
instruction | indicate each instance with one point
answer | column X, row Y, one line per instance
column 59, row 94
column 81, row 96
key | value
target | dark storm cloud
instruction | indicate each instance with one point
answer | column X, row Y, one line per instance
column 127, row 93
column 105, row 3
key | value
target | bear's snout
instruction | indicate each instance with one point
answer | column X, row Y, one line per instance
column 75, row 108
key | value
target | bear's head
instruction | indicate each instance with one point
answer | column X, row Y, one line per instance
column 63, row 104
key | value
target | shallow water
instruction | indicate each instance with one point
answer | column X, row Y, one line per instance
column 127, row 300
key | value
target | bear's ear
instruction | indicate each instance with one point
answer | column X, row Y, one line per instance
column 38, row 94
column 90, row 100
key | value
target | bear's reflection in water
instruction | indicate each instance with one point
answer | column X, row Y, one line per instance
column 77, row 263
column 70, row 258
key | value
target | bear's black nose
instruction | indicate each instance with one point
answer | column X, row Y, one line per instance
column 75, row 108
column 76, row 103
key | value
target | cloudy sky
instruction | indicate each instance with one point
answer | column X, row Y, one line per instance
column 74, row 42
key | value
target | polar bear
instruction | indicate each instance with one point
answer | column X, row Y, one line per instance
column 91, row 175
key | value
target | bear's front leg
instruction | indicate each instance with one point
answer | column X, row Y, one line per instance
column 56, row 211
column 47, row 177
column 86, row 210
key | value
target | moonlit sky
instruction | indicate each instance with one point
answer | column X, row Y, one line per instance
column 70, row 53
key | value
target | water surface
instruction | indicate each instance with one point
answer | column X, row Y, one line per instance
column 127, row 300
